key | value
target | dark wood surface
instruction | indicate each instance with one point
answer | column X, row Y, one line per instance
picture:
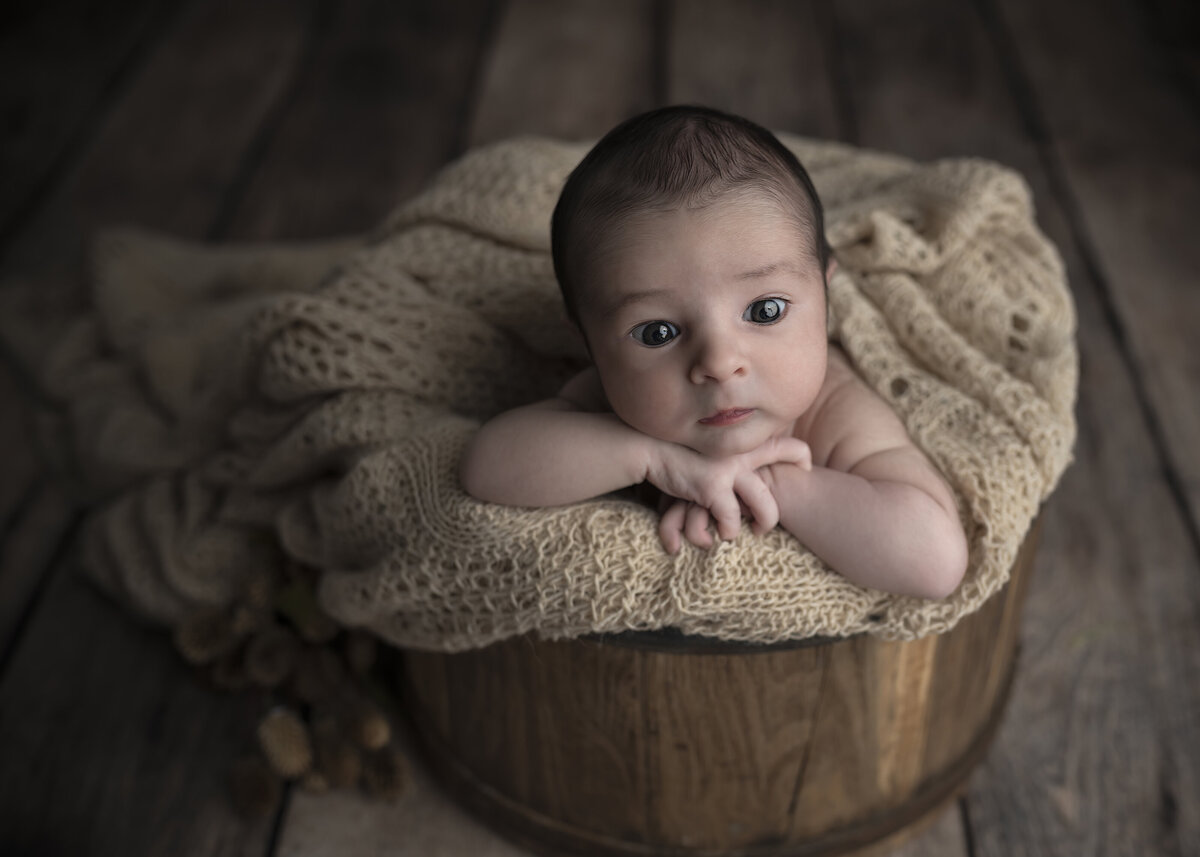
column 305, row 118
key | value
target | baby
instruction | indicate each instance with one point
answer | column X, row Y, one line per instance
column 690, row 249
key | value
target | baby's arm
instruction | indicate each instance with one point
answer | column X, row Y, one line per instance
column 876, row 510
column 567, row 449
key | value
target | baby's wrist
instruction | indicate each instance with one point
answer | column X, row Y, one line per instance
column 774, row 475
column 654, row 455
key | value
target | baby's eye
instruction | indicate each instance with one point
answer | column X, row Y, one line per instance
column 766, row 311
column 654, row 333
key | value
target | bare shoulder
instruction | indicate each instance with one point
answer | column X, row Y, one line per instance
column 852, row 429
column 849, row 422
column 585, row 392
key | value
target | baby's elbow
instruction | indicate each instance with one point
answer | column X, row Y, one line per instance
column 473, row 472
column 946, row 565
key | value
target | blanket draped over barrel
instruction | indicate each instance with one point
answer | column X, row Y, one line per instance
column 226, row 407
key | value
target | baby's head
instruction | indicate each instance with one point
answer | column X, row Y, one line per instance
column 674, row 157
column 690, row 249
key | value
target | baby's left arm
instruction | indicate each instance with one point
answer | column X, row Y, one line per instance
column 873, row 507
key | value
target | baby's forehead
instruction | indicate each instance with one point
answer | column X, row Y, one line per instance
column 631, row 232
column 627, row 223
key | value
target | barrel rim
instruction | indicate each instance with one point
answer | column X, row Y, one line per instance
column 675, row 641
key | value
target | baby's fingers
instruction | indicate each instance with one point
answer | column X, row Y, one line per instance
column 728, row 516
column 761, row 503
column 696, row 528
column 670, row 526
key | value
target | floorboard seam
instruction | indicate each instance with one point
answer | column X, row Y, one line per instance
column 964, row 813
column 660, row 52
column 256, row 152
column 51, row 569
column 8, row 526
column 285, row 803
column 475, row 78
column 843, row 101
column 127, row 71
column 1038, row 129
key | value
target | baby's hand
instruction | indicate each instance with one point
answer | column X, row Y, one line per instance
column 682, row 519
column 718, row 489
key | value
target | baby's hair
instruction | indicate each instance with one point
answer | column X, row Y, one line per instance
column 671, row 157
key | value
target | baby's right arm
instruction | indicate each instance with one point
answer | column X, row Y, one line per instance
column 557, row 451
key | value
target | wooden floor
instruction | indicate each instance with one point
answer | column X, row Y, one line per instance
column 303, row 118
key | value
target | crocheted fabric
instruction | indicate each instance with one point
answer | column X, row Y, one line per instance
column 226, row 401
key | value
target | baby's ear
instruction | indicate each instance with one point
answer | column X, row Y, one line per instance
column 830, row 268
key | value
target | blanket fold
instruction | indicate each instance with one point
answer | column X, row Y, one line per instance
column 232, row 407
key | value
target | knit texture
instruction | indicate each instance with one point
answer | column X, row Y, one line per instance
column 239, row 406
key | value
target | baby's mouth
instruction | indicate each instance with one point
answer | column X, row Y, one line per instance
column 726, row 418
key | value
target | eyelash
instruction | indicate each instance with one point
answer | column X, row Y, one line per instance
column 639, row 332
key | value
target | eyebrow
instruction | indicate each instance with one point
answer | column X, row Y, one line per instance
column 633, row 298
column 767, row 270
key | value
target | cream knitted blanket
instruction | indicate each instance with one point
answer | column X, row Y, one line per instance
column 228, row 401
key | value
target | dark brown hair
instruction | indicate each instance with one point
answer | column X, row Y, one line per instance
column 671, row 157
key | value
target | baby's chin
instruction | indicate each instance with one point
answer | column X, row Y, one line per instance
column 725, row 443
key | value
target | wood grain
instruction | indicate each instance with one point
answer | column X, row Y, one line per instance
column 785, row 65
column 19, row 466
column 1126, row 137
column 378, row 108
column 163, row 157
column 566, row 68
column 768, row 60
column 199, row 122
column 59, row 62
column 570, row 69
column 1086, row 762
column 603, row 747
column 110, row 746
column 39, row 530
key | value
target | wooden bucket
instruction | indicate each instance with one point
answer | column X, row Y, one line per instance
column 661, row 744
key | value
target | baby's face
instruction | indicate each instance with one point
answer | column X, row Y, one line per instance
column 707, row 327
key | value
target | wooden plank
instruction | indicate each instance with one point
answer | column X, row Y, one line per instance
column 1139, row 185
column 1095, row 756
column 19, row 467
column 1099, row 754
column 1127, row 136
column 109, row 745
column 165, row 155
column 378, row 111
column 1172, row 26
column 570, row 69
column 36, row 535
column 928, row 88
column 58, row 63
column 422, row 823
column 768, row 60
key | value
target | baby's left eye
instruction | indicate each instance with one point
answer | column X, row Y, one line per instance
column 765, row 311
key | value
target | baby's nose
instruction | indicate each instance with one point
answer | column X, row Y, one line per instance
column 717, row 360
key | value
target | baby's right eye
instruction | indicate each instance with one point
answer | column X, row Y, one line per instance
column 654, row 333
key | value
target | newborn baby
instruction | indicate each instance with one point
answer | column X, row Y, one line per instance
column 690, row 249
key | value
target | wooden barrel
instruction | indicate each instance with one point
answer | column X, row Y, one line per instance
column 661, row 744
